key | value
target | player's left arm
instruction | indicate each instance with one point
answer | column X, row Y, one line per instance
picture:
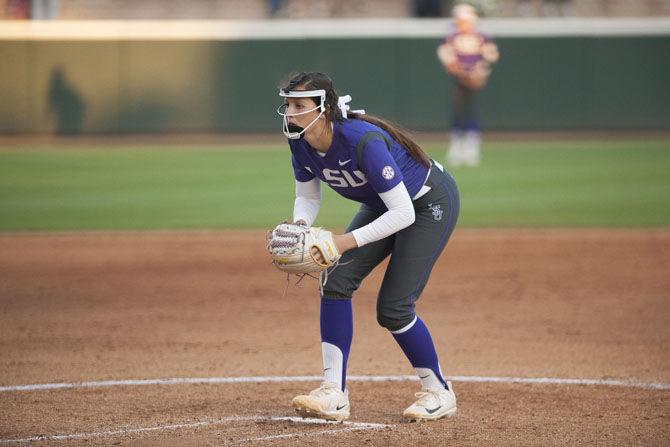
column 400, row 214
column 478, row 76
column 489, row 52
column 385, row 178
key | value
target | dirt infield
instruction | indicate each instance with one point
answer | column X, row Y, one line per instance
column 560, row 304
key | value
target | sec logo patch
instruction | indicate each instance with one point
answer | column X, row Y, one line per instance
column 388, row 173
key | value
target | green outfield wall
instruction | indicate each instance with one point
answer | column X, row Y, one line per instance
column 126, row 85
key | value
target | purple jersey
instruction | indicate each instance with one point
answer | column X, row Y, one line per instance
column 468, row 47
column 381, row 167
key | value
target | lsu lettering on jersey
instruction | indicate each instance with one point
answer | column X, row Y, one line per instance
column 381, row 168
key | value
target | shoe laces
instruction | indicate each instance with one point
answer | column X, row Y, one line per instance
column 426, row 397
column 326, row 389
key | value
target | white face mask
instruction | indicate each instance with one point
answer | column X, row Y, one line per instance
column 292, row 131
column 295, row 132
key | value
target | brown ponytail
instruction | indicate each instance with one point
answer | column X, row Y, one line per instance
column 398, row 135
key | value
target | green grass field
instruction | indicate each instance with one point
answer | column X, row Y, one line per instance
column 520, row 184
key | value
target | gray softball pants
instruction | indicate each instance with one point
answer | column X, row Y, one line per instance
column 413, row 251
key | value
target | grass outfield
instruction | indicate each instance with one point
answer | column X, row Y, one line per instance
column 519, row 184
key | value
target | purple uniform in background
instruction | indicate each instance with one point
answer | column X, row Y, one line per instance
column 468, row 47
column 381, row 167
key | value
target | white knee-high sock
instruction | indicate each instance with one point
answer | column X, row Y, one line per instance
column 333, row 364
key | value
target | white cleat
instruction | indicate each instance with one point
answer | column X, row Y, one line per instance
column 454, row 161
column 327, row 402
column 432, row 405
column 455, row 156
column 472, row 159
column 471, row 149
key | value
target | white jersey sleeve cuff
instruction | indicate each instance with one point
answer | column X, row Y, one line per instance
column 307, row 201
column 400, row 215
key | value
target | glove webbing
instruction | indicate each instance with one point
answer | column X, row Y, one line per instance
column 323, row 277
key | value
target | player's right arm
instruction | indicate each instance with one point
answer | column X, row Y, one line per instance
column 307, row 194
column 307, row 201
column 447, row 56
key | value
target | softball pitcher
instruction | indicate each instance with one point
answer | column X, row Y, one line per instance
column 409, row 207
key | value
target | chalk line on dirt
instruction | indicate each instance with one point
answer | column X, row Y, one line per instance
column 346, row 426
column 266, row 379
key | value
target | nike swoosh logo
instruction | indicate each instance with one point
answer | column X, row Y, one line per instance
column 338, row 408
column 326, row 369
column 342, row 163
column 433, row 410
column 423, row 377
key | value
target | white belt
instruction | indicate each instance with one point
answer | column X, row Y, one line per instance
column 424, row 189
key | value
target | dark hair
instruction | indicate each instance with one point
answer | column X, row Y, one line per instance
column 320, row 81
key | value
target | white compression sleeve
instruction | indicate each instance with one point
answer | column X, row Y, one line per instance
column 307, row 201
column 400, row 215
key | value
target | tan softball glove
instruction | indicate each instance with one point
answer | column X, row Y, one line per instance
column 292, row 248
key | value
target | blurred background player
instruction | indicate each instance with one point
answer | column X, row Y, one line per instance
column 466, row 55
